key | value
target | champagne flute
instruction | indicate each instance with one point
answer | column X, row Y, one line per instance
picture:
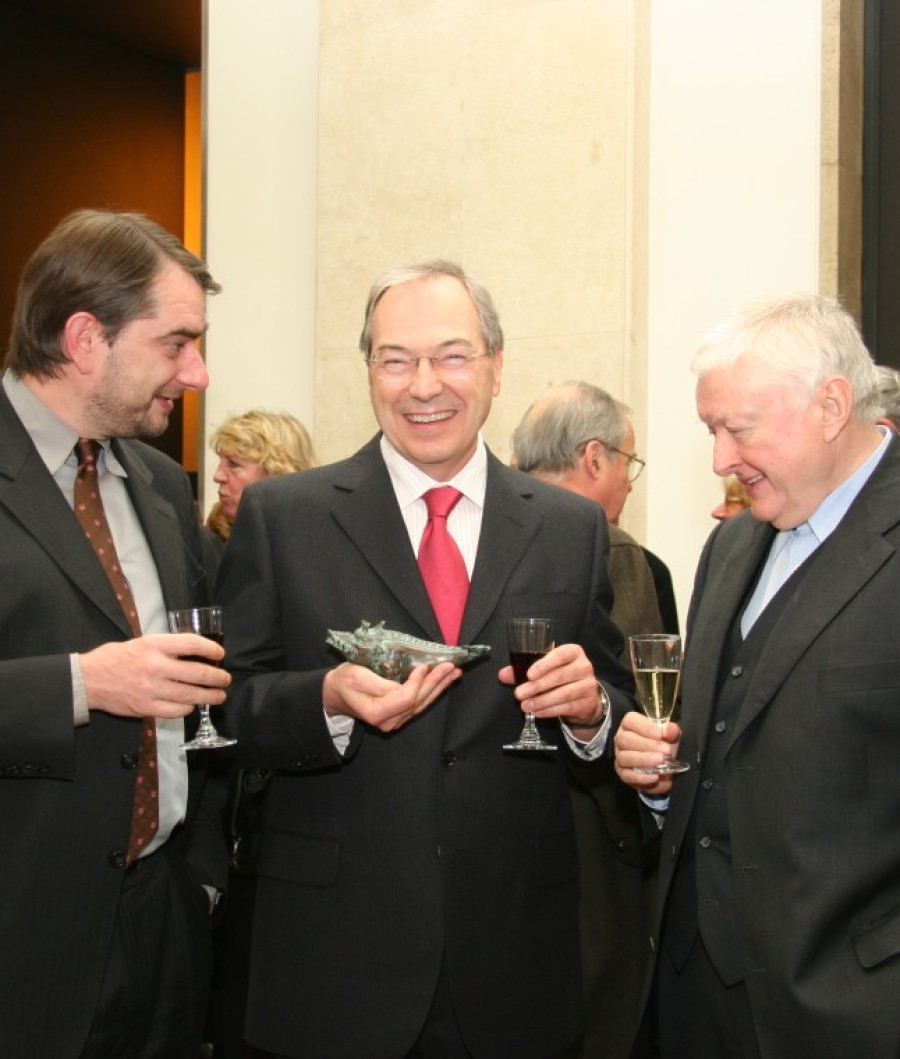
column 529, row 640
column 656, row 661
column 205, row 621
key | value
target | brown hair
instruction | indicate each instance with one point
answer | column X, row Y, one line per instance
column 97, row 261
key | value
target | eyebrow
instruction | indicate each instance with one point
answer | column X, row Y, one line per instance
column 186, row 332
column 388, row 347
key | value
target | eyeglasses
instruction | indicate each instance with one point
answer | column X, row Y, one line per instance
column 449, row 364
column 635, row 463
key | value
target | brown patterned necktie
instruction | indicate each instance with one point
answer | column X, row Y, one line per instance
column 441, row 562
column 89, row 512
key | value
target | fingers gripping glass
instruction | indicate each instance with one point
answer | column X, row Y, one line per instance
column 204, row 621
column 449, row 363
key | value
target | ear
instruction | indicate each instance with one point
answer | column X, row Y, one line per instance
column 590, row 460
column 498, row 370
column 80, row 334
column 836, row 404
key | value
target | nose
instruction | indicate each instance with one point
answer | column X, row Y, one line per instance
column 192, row 373
column 425, row 382
column 220, row 476
column 725, row 456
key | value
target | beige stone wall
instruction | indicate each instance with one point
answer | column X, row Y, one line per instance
column 840, row 236
column 500, row 133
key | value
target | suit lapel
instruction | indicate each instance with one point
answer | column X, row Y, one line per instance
column 160, row 525
column 366, row 508
column 733, row 564
column 839, row 570
column 508, row 526
column 30, row 494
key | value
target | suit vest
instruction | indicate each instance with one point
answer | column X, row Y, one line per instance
column 702, row 892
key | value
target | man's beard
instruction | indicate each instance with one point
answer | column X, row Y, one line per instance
column 122, row 420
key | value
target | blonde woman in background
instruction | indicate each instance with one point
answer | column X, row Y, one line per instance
column 735, row 501
column 250, row 447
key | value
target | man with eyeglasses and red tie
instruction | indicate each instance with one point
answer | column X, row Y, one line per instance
column 418, row 885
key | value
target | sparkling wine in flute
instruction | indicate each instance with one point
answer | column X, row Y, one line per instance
column 656, row 662
column 657, row 690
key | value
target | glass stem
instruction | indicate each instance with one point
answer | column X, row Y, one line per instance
column 206, row 730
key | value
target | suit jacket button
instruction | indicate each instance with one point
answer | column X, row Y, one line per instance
column 117, row 858
column 129, row 760
column 448, row 758
column 736, row 671
column 705, row 842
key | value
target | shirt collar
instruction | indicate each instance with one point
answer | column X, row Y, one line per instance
column 410, row 483
column 825, row 519
column 53, row 439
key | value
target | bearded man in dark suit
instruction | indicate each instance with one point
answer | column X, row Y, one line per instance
column 418, row 886
column 103, row 928
column 778, row 919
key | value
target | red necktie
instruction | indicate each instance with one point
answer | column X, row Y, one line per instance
column 441, row 563
column 89, row 512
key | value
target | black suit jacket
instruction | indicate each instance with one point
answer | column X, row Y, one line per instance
column 65, row 792
column 812, row 780
column 428, row 844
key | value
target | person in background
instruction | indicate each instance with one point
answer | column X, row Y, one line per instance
column 776, row 923
column 110, row 832
column 577, row 436
column 735, row 501
column 417, row 884
column 889, row 396
column 251, row 447
column 255, row 445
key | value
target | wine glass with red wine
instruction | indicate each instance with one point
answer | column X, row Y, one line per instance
column 205, row 621
column 529, row 640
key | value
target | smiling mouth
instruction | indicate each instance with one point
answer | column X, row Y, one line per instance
column 428, row 417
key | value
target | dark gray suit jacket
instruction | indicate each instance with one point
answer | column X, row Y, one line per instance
column 428, row 844
column 812, row 780
column 66, row 793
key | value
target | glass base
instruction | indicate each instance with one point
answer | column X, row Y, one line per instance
column 529, row 738
column 207, row 738
column 208, row 742
column 539, row 746
column 666, row 769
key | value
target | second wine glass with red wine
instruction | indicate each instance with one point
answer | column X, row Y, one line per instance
column 529, row 640
column 208, row 622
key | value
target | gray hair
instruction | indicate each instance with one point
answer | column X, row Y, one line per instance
column 889, row 393
column 491, row 331
column 802, row 339
column 562, row 421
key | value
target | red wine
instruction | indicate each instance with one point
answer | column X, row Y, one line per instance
column 216, row 637
column 522, row 661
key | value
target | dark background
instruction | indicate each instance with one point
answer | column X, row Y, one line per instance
column 91, row 115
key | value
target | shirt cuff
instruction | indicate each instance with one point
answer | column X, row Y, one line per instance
column 340, row 728
column 80, row 713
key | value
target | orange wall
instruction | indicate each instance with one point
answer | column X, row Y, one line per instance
column 193, row 240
